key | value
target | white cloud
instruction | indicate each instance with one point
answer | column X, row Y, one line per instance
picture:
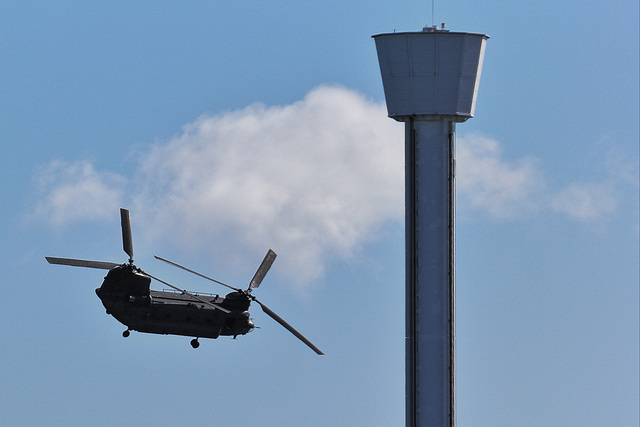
column 76, row 192
column 585, row 201
column 597, row 201
column 311, row 180
column 489, row 183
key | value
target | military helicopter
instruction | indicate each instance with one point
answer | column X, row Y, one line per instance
column 126, row 295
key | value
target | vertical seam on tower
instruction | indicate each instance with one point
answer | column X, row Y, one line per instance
column 411, row 273
column 452, row 287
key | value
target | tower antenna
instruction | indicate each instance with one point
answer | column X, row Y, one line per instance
column 433, row 12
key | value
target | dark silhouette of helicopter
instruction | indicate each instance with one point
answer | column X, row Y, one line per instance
column 126, row 295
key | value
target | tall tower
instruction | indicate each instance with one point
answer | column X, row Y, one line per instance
column 430, row 81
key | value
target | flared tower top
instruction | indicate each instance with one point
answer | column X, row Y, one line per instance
column 432, row 74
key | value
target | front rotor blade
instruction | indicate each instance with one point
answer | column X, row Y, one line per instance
column 81, row 263
column 127, row 240
column 263, row 269
column 195, row 297
column 289, row 327
column 196, row 273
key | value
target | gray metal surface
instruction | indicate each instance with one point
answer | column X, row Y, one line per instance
column 430, row 330
column 431, row 73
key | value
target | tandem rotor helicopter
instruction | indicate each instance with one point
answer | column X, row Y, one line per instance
column 126, row 295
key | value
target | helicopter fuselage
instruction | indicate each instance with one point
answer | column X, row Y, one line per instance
column 126, row 295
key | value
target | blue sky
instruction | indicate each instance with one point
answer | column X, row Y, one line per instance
column 232, row 127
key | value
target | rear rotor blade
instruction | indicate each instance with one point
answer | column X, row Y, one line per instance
column 81, row 263
column 195, row 297
column 263, row 269
column 196, row 273
column 127, row 240
column 288, row 327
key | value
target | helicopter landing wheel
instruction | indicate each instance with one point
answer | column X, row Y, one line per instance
column 126, row 333
column 195, row 343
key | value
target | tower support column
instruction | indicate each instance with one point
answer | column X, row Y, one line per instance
column 430, row 297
